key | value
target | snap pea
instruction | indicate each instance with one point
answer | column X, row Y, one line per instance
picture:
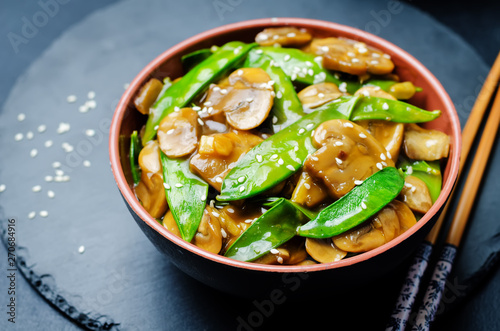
column 427, row 171
column 362, row 202
column 194, row 82
column 186, row 194
column 281, row 155
column 190, row 60
column 372, row 108
column 287, row 107
column 275, row 227
column 135, row 148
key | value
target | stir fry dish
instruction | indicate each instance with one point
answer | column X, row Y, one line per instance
column 291, row 150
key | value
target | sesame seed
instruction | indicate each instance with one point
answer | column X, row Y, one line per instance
column 125, row 86
column 279, row 95
column 310, row 126
column 31, row 215
column 156, row 127
column 44, row 213
column 2, row 187
column 259, row 51
column 29, row 135
column 291, row 35
column 207, row 103
column 201, row 121
column 348, row 125
column 230, row 210
column 248, row 220
column 274, row 251
column 362, row 135
column 71, row 98
column 216, row 88
column 389, row 155
column 83, row 108
column 223, row 91
column 36, row 188
column 81, row 249
column 242, row 188
column 49, row 178
column 48, row 143
column 385, row 106
column 296, row 149
column 351, row 54
column 91, row 104
column 314, row 158
column 384, row 163
column 176, row 109
column 273, row 157
column 380, row 166
column 318, row 60
column 287, row 57
column 203, row 197
column 339, row 161
column 51, row 194
column 179, row 185
column 321, row 95
column 90, row 132
column 358, row 182
column 86, row 163
column 307, row 186
column 68, row 148
column 324, row 49
column 249, row 99
column 373, row 62
column 216, row 214
column 21, row 117
column 241, row 179
column 33, row 152
column 409, row 170
column 239, row 72
column 223, row 233
column 362, row 50
column 363, row 205
column 355, row 60
column 387, row 56
column 91, row 95
column 375, row 55
column 413, row 189
column 56, row 164
column 301, row 131
column 196, row 108
column 42, row 128
column 281, row 162
column 339, row 143
column 218, row 179
column 258, row 157
column 290, row 167
column 275, row 120
column 343, row 87
column 382, row 156
column 18, row 137
column 59, row 172
column 212, row 203
column 63, row 127
column 166, row 186
column 276, row 37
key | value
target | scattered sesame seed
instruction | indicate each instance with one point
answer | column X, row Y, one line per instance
column 382, row 156
column 48, row 143
column 21, row 117
column 68, row 148
column 318, row 60
column 203, row 197
column 380, row 166
column 384, row 163
column 387, row 56
column 274, row 251
column 375, row 55
column 59, row 172
column 389, row 155
column 291, row 35
column 29, row 135
column 166, row 186
column 348, row 125
column 307, row 186
column 355, row 60
column 71, row 98
column 290, row 167
column 36, row 188
column 363, row 205
column 33, row 152
column 239, row 72
column 156, row 127
column 81, row 249
column 249, row 99
column 49, row 178
column 409, row 170
column 413, row 189
column 90, row 132
column 196, row 108
column 176, row 109
column 63, row 127
column 31, row 215
column 296, row 149
column 351, row 54
column 179, row 185
column 83, row 108
column 324, row 49
column 242, row 188
column 2, row 187
column 314, row 158
column 51, row 194
column 200, row 121
column 42, row 128
column 18, row 137
column 248, row 220
column 281, row 162
column 362, row 135
column 274, row 19
column 216, row 214
column 241, row 179
column 223, row 91
column 91, row 104
column 343, row 87
column 321, row 95
column 274, row 157
column 385, row 106
column 258, row 157
column 91, row 95
column 56, row 164
column 218, row 179
column 358, row 182
column 279, row 259
column 339, row 161
column 287, row 57
column 362, row 50
column 301, row 131
column 86, row 163
column 373, row 62
column 125, row 86
column 44, row 213
column 339, row 143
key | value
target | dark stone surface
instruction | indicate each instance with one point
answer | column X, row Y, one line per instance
column 120, row 274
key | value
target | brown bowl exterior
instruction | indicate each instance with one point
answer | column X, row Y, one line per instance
column 256, row 280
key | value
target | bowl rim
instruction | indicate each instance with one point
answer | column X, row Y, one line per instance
column 134, row 204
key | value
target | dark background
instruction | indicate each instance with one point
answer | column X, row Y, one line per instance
column 476, row 22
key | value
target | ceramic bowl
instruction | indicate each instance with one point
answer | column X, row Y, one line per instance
column 257, row 280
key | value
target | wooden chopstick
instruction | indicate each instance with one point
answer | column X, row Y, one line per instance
column 411, row 284
column 444, row 265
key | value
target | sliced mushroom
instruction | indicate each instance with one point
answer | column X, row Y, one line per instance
column 374, row 91
column 284, row 36
column 248, row 99
column 178, row 133
column 213, row 97
column 208, row 236
column 276, row 256
column 416, row 195
column 324, row 250
column 347, row 155
column 306, row 262
column 422, row 144
column 316, row 95
column 387, row 224
column 389, row 134
column 309, row 192
column 147, row 95
column 150, row 190
column 355, row 58
column 218, row 153
column 170, row 223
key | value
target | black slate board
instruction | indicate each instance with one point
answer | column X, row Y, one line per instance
column 120, row 274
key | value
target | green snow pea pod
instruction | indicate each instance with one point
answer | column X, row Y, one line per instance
column 186, row 195
column 190, row 60
column 281, row 155
column 287, row 107
column 372, row 108
column 427, row 171
column 275, row 227
column 135, row 148
column 193, row 82
column 355, row 207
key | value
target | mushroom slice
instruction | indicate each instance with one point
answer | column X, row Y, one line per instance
column 309, row 192
column 348, row 154
column 324, row 250
column 285, row 36
column 214, row 95
column 208, row 236
column 178, row 133
column 150, row 190
column 423, row 144
column 349, row 56
column 389, row 134
column 147, row 95
column 248, row 99
column 374, row 91
column 170, row 223
column 316, row 95
column 276, row 256
column 416, row 195
column 406, row 217
column 219, row 153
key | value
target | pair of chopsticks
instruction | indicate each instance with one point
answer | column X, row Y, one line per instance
column 433, row 294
